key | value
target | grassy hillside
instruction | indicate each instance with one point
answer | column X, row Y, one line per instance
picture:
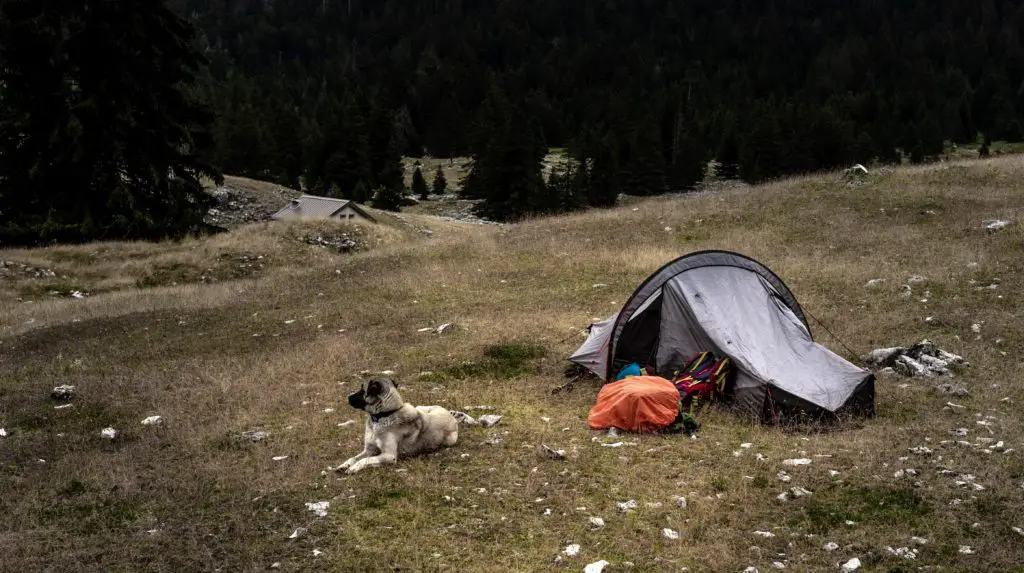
column 278, row 347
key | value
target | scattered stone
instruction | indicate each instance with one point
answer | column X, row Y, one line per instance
column 555, row 454
column 922, row 359
column 153, row 421
column 497, row 440
column 255, row 435
column 279, row 458
column 851, row 566
column 317, row 553
column 275, row 565
column 571, row 550
column 833, row 473
column 445, row 327
column 3, row 433
column 799, row 491
column 62, row 406
column 339, row 242
column 778, row 565
column 921, row 450
column 796, row 462
column 110, row 433
column 751, row 569
column 680, row 501
column 874, row 283
column 464, row 418
column 919, row 540
column 903, row 552
column 961, row 432
column 669, row 533
column 489, row 420
column 783, row 477
column 958, row 390
column 319, row 507
column 831, row 546
column 627, row 505
column 995, row 224
column 299, row 532
column 595, row 567
column 1017, row 530
column 597, row 522
column 346, row 423
column 63, row 392
column 765, row 534
column 917, row 279
column 966, row 550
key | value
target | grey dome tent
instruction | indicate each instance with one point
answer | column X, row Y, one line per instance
column 734, row 306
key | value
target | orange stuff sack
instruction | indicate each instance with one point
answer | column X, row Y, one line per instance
column 636, row 404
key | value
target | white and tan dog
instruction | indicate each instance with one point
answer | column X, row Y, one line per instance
column 395, row 428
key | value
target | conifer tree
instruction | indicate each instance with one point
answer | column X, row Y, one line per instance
column 439, row 185
column 99, row 135
column 419, row 185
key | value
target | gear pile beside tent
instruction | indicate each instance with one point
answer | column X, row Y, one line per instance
column 731, row 306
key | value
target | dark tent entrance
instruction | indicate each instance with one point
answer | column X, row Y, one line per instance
column 731, row 305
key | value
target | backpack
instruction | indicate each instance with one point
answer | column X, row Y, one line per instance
column 702, row 379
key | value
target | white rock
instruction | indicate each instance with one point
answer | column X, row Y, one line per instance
column 426, row 329
column 328, row 410
column 765, row 534
column 445, row 327
column 796, row 462
column 669, row 533
column 778, row 565
column 654, row 504
column 784, row 496
column 387, row 372
column 967, row 550
column 595, row 567
column 279, row 458
column 317, row 553
column 831, row 546
column 783, row 476
column 903, row 552
column 346, row 423
column 275, row 565
column 921, row 450
column 680, row 501
column 627, row 505
column 488, row 420
column 919, row 540
column 597, row 522
column 571, row 550
column 110, row 433
column 319, row 508
column 1017, row 530
column 751, row 569
column 291, row 321
column 851, row 565
column 833, row 473
column 799, row 491
column 3, row 433
column 62, row 406
column 874, row 282
column 917, row 279
column 153, row 421
column 995, row 224
column 300, row 531
column 63, row 392
column 746, row 445
column 976, row 328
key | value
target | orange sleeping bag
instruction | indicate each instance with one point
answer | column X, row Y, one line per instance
column 636, row 404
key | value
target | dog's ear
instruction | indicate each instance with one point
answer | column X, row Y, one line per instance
column 394, row 383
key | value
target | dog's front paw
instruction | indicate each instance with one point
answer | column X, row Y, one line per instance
column 344, row 465
column 354, row 467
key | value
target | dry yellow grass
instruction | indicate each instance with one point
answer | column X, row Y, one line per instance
column 273, row 349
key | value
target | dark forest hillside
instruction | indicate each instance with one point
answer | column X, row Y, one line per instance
column 652, row 86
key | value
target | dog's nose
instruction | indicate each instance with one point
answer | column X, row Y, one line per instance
column 356, row 400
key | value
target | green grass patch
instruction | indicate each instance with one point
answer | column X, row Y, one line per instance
column 500, row 361
column 873, row 506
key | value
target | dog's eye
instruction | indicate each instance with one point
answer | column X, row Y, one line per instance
column 373, row 389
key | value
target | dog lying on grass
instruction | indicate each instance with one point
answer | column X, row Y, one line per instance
column 395, row 428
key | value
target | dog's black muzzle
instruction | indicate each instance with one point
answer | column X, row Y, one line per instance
column 357, row 400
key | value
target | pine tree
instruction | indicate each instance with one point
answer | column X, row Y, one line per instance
column 99, row 135
column 387, row 198
column 986, row 146
column 688, row 158
column 419, row 185
column 439, row 185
